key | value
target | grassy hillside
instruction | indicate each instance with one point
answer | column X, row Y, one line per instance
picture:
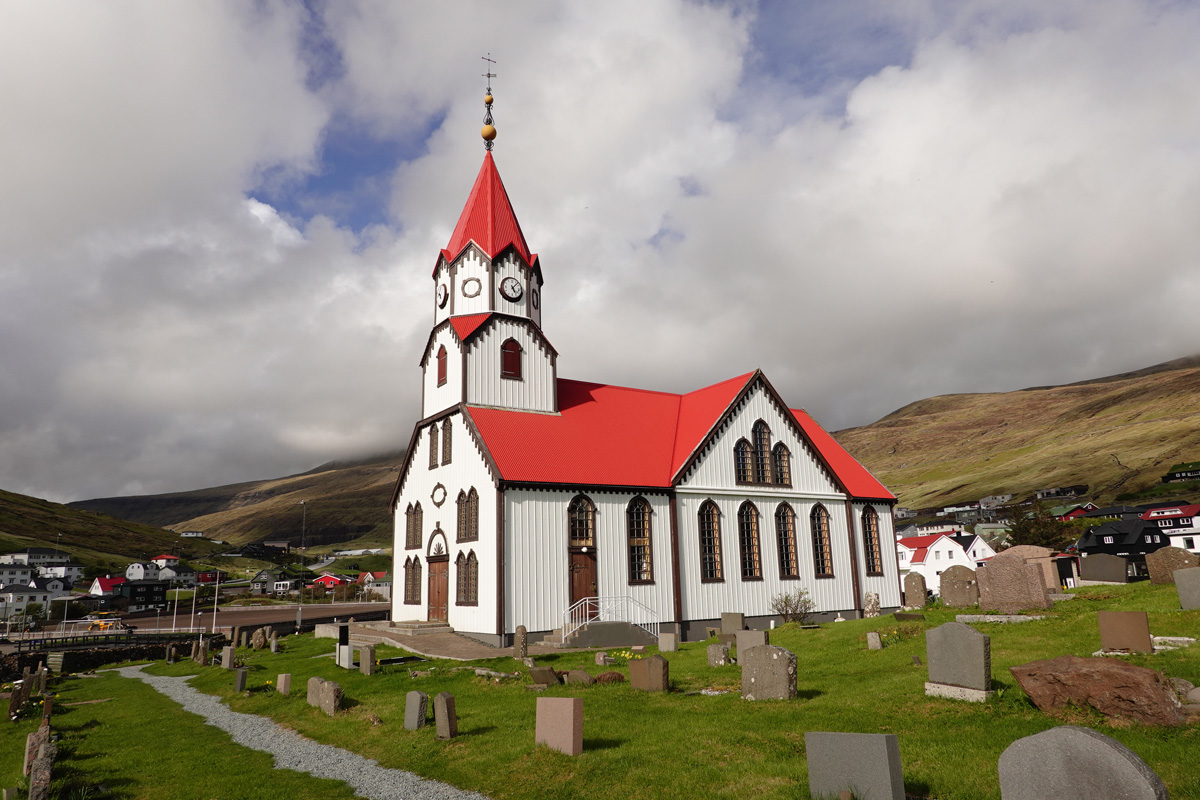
column 1117, row 434
column 100, row 541
column 343, row 501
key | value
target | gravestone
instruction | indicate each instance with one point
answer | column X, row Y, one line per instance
column 1104, row 567
column 604, row 660
column 768, row 673
column 867, row 765
column 227, row 656
column 416, row 708
column 1116, row 689
column 258, row 640
column 718, row 655
column 559, row 724
column 727, row 638
column 283, row 684
column 235, row 635
column 1163, row 563
column 543, row 676
column 732, row 623
column 650, row 674
column 958, row 588
column 1187, row 586
column 239, row 680
column 748, row 639
column 343, row 632
column 195, row 650
column 1010, row 585
column 668, row 642
column 915, row 590
column 445, row 718
column 1040, row 557
column 874, row 641
column 901, row 616
column 314, row 691
column 579, row 677
column 871, row 604
column 33, row 743
column 274, row 644
column 521, row 642
column 960, row 663
column 1125, row 630
column 330, row 697
column 171, row 655
column 40, row 771
column 244, row 640
column 366, row 659
column 202, row 655
column 1074, row 763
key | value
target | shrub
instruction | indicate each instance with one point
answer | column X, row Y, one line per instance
column 794, row 606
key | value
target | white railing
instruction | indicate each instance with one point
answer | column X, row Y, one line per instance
column 609, row 609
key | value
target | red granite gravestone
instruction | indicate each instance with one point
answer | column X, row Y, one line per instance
column 559, row 724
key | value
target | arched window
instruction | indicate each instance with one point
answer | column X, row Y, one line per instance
column 412, row 581
column 441, row 365
column 581, row 520
column 872, row 554
column 510, row 359
column 743, row 458
column 466, row 574
column 710, row 542
column 762, row 452
column 637, row 519
column 748, row 541
column 413, row 519
column 446, row 452
column 785, row 537
column 782, row 459
column 468, row 516
column 433, row 445
column 822, row 552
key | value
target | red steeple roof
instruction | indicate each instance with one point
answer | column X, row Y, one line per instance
column 488, row 219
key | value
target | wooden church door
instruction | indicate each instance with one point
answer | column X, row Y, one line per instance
column 439, row 589
column 583, row 578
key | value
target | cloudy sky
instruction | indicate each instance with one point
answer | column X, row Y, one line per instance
column 218, row 220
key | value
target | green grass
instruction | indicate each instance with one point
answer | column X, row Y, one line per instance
column 672, row 745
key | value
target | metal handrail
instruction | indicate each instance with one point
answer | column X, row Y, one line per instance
column 99, row 640
column 615, row 608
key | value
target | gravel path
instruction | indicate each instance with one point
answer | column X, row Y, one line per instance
column 292, row 751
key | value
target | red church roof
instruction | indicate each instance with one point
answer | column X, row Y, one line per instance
column 488, row 219
column 616, row 436
column 466, row 325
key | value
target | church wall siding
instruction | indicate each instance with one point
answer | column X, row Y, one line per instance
column 887, row 586
column 466, row 469
column 703, row 600
column 438, row 398
column 536, row 541
column 716, row 468
column 533, row 392
column 471, row 267
column 510, row 266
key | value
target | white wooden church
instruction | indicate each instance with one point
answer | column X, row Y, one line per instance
column 530, row 499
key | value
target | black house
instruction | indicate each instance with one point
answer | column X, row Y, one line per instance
column 1130, row 539
column 144, row 594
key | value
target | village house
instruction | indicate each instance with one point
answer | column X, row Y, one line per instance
column 558, row 500
column 932, row 554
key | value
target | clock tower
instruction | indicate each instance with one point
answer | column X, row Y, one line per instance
column 487, row 347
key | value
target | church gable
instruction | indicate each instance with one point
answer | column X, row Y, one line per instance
column 511, row 365
column 759, row 445
column 442, row 371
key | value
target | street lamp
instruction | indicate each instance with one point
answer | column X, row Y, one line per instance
column 303, row 528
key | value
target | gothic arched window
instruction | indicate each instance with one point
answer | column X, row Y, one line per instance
column 710, row 542
column 637, row 518
column 441, row 365
column 466, row 575
column 872, row 553
column 412, row 581
column 743, row 458
column 581, row 521
column 446, row 452
column 413, row 520
column 762, row 452
column 822, row 552
column 433, row 446
column 748, row 541
column 468, row 516
column 785, row 537
column 782, row 459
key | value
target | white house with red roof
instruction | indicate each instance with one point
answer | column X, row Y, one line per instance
column 524, row 495
column 106, row 586
column 934, row 553
column 1180, row 522
column 165, row 560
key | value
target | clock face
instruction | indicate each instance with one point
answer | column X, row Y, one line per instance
column 443, row 294
column 511, row 289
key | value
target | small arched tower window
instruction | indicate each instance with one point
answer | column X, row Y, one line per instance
column 822, row 553
column 872, row 554
column 743, row 458
column 710, row 542
column 446, row 450
column 785, row 537
column 441, row 365
column 433, row 446
column 510, row 359
column 581, row 520
column 748, row 540
column 762, row 452
column 637, row 518
column 782, row 459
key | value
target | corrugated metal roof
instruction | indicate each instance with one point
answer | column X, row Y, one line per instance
column 488, row 218
column 465, row 325
column 853, row 475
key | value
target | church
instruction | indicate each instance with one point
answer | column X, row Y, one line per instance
column 526, row 499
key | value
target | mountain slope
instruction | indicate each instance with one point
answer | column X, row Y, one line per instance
column 1117, row 434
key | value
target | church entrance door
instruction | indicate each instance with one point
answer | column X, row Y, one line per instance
column 439, row 589
column 583, row 579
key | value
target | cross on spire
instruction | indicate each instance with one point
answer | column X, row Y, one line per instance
column 489, row 126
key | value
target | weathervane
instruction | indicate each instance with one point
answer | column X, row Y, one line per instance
column 488, row 132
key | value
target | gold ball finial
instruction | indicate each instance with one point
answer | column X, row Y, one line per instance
column 488, row 132
column 487, row 99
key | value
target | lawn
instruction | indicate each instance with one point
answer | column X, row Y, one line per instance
column 635, row 745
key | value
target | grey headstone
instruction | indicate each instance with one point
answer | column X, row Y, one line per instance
column 718, row 655
column 40, row 771
column 874, row 641
column 274, row 644
column 1187, row 585
column 239, row 680
column 314, row 691
column 914, row 590
column 668, row 642
column 416, row 708
column 959, row 655
column 865, row 764
column 283, row 684
column 1104, row 567
column 244, row 639
column 259, row 639
column 1073, row 763
column 331, row 697
column 579, row 677
column 366, row 659
column 651, row 674
column 768, row 673
column 732, row 623
column 748, row 639
column 444, row 716
column 521, row 642
column 958, row 587
column 871, row 604
column 227, row 655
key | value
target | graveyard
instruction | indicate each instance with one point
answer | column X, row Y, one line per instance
column 700, row 738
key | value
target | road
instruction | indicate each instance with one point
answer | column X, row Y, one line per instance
column 240, row 616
